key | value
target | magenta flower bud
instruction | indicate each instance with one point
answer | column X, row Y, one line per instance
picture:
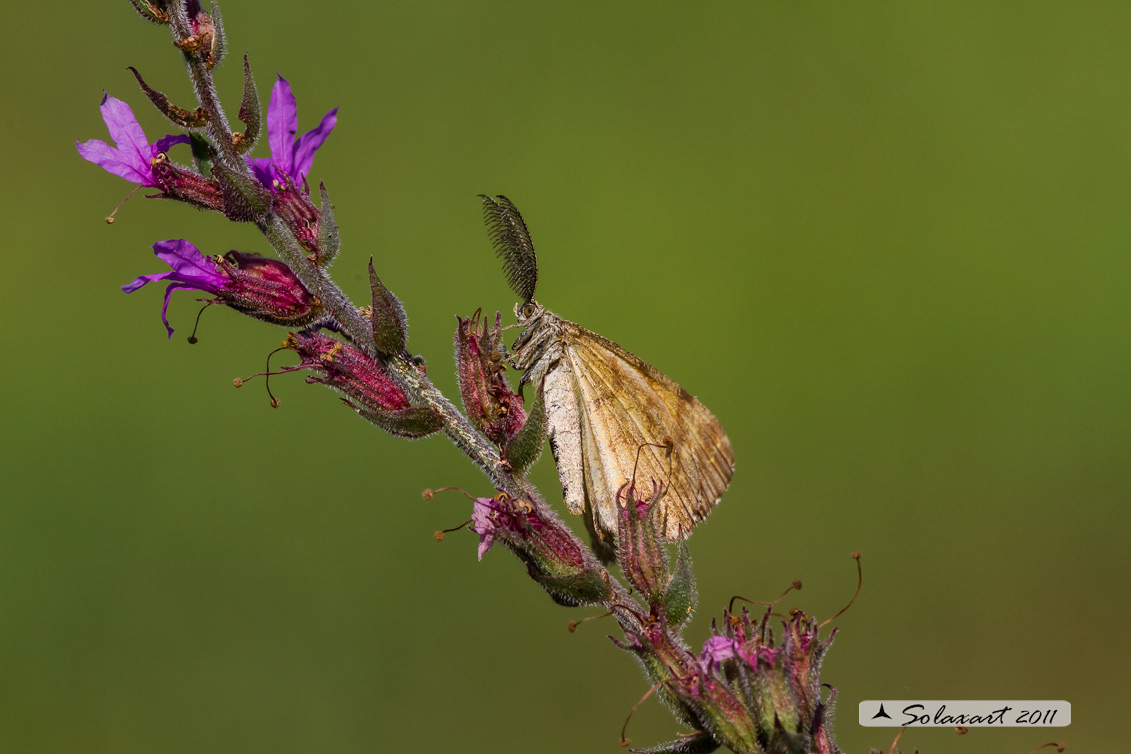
column 639, row 549
column 299, row 214
column 492, row 406
column 184, row 185
column 720, row 712
column 552, row 556
column 367, row 385
column 263, row 288
column 267, row 289
column 363, row 380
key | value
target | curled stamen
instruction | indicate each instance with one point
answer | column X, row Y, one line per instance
column 631, row 712
column 439, row 535
column 795, row 585
column 668, row 446
column 110, row 217
column 573, row 624
column 893, row 743
column 859, row 585
column 241, row 381
column 192, row 338
column 1058, row 745
column 430, row 493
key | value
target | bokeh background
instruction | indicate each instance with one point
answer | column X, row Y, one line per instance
column 888, row 244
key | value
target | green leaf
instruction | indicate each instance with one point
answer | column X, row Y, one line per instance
column 328, row 238
column 409, row 423
column 525, row 447
column 682, row 595
column 390, row 326
column 250, row 113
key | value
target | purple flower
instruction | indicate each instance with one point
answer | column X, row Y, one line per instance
column 717, row 650
column 190, row 269
column 290, row 156
column 132, row 155
column 483, row 524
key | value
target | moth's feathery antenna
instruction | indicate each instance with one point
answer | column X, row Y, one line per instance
column 513, row 245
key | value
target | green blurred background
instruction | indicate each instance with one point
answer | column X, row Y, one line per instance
column 888, row 245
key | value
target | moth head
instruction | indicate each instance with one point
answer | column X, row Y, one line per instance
column 513, row 245
column 527, row 312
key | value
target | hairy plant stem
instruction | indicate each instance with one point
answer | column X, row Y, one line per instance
column 623, row 605
column 205, row 89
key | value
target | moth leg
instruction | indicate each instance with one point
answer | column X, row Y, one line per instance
column 563, row 421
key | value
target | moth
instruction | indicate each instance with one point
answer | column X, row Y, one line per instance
column 611, row 417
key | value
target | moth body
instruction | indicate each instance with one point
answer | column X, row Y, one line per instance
column 611, row 417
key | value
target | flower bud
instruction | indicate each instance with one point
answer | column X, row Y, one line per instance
column 494, row 409
column 266, row 289
column 367, row 384
column 349, row 371
column 639, row 549
column 552, row 556
column 720, row 712
column 262, row 288
column 186, row 185
column 297, row 212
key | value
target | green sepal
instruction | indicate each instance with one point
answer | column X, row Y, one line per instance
column 328, row 238
column 410, row 423
column 250, row 113
column 146, row 10
column 178, row 115
column 699, row 742
column 525, row 447
column 201, row 153
column 580, row 588
column 244, row 200
column 682, row 596
column 390, row 326
column 217, row 34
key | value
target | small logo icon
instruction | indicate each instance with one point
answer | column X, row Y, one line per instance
column 881, row 713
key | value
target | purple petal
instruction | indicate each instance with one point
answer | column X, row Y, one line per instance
column 282, row 125
column 165, row 307
column 309, row 143
column 485, row 542
column 482, row 523
column 122, row 164
column 124, row 128
column 717, row 650
column 165, row 142
column 262, row 170
column 190, row 270
column 143, row 279
column 189, row 264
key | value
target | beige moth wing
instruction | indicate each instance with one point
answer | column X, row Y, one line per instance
column 627, row 408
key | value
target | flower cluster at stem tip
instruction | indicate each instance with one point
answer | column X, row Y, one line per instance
column 271, row 291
